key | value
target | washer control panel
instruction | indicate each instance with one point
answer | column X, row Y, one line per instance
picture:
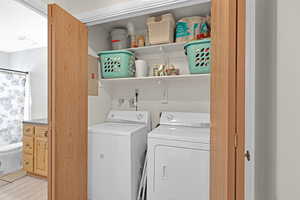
column 129, row 116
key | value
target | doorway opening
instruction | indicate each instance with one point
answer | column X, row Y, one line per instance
column 23, row 102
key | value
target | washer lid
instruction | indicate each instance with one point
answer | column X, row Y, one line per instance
column 114, row 128
column 181, row 133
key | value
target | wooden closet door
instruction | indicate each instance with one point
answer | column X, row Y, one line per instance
column 68, row 93
column 228, row 100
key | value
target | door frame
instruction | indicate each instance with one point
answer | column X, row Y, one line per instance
column 239, row 11
column 228, row 88
column 250, row 100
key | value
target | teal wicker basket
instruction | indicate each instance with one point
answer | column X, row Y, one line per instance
column 117, row 64
column 199, row 56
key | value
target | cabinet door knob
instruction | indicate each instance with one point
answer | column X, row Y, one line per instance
column 27, row 129
column 46, row 133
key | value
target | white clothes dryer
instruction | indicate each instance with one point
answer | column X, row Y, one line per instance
column 178, row 157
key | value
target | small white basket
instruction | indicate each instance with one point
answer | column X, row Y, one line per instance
column 161, row 29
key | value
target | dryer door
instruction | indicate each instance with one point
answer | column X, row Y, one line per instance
column 181, row 173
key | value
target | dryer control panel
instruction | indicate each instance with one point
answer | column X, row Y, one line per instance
column 185, row 119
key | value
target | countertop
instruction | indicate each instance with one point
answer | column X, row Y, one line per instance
column 36, row 121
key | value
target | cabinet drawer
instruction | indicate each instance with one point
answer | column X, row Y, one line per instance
column 28, row 163
column 28, row 145
column 41, row 131
column 28, row 130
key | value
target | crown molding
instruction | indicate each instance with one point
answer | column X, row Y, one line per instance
column 37, row 6
column 118, row 11
column 131, row 9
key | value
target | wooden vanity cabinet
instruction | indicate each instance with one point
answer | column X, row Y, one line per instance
column 35, row 149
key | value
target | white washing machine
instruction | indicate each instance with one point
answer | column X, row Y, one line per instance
column 116, row 155
column 178, row 157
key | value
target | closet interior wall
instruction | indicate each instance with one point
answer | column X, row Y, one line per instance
column 186, row 95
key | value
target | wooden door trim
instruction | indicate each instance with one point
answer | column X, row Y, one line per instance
column 51, row 180
column 241, row 105
column 227, row 100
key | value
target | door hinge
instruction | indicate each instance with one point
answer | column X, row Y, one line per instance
column 236, row 141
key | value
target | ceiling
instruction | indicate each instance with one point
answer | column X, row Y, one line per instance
column 21, row 28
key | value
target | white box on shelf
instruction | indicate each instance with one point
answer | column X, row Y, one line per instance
column 161, row 29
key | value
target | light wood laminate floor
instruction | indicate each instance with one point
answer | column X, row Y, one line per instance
column 27, row 188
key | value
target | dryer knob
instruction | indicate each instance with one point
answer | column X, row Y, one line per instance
column 170, row 117
column 139, row 116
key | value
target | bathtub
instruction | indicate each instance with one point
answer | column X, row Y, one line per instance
column 10, row 158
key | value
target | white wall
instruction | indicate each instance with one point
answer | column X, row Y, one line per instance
column 35, row 62
column 157, row 96
column 4, row 59
column 265, row 130
column 277, row 97
column 98, row 106
column 288, row 100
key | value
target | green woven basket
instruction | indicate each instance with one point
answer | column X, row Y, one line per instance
column 199, row 56
column 117, row 64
